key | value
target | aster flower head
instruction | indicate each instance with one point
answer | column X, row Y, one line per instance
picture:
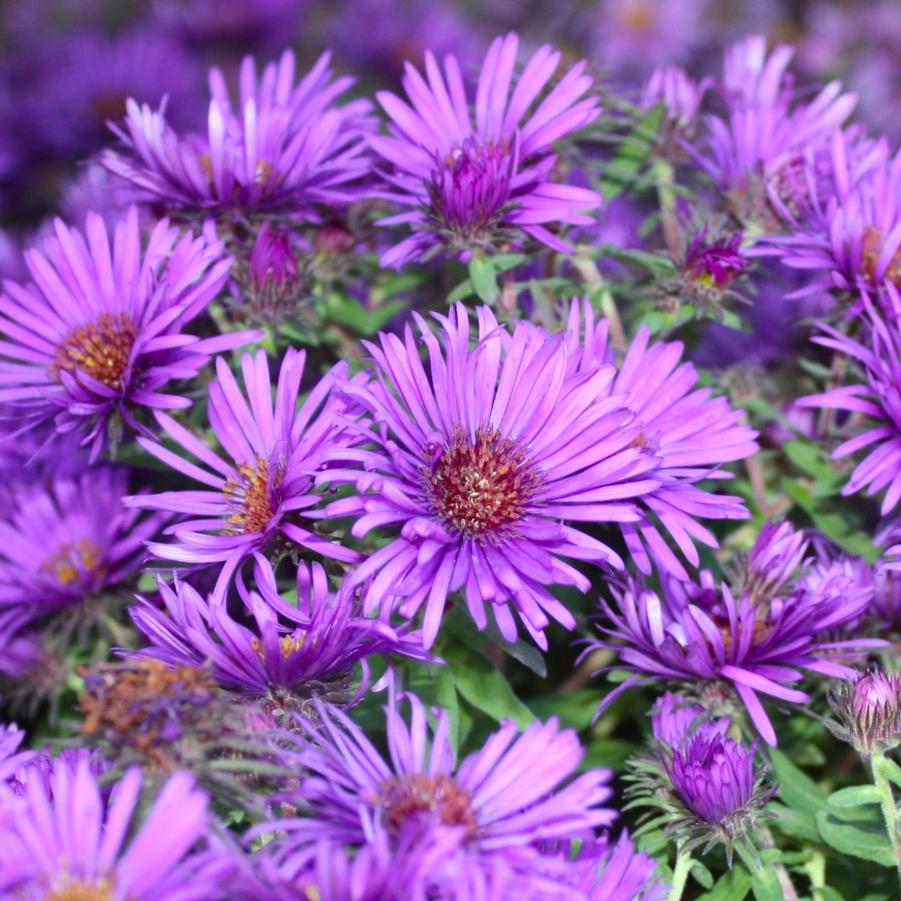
column 289, row 652
column 68, row 539
column 64, row 841
column 274, row 284
column 470, row 183
column 749, row 644
column 764, row 133
column 285, row 148
column 498, row 802
column 100, row 331
column 692, row 432
column 674, row 718
column 775, row 559
column 260, row 498
column 854, row 240
column 720, row 787
column 868, row 711
column 876, row 398
column 482, row 478
column 681, row 97
column 89, row 76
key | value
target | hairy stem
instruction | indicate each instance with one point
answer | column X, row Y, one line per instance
column 680, row 874
column 889, row 809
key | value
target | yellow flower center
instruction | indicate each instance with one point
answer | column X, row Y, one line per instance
column 101, row 350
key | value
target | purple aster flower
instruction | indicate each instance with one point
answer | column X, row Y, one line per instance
column 854, row 241
column 868, row 712
column 290, row 652
column 100, row 330
column 674, row 718
column 749, row 642
column 67, row 842
column 764, row 133
column 717, row 263
column 263, row 495
column 500, row 800
column 470, row 184
column 879, row 356
column 483, row 478
column 720, row 786
column 12, row 758
column 230, row 23
column 604, row 870
column 633, row 36
column 775, row 560
column 284, row 148
column 69, row 539
column 681, row 97
column 90, row 75
column 691, row 432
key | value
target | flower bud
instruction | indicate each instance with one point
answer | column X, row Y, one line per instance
column 868, row 712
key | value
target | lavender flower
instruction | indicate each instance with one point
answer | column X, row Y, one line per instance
column 472, row 185
column 764, row 134
column 674, row 718
column 720, row 787
column 68, row 540
column 285, row 149
column 776, row 558
column 266, row 493
column 855, row 240
column 500, row 801
column 752, row 642
column 681, row 97
column 290, row 653
column 100, row 330
column 90, row 75
column 66, row 842
column 482, row 478
column 868, row 711
column 879, row 356
column 691, row 432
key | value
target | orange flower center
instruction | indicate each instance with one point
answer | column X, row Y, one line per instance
column 482, row 487
column 416, row 793
column 101, row 350
column 250, row 498
column 68, row 563
column 872, row 248
column 81, row 891
column 289, row 645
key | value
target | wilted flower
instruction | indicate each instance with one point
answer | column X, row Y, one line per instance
column 63, row 841
column 286, row 148
column 100, row 332
column 868, row 711
column 290, row 652
column 265, row 493
column 470, row 186
column 691, row 432
column 483, row 478
column 751, row 643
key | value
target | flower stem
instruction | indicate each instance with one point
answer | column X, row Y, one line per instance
column 663, row 176
column 889, row 810
column 680, row 874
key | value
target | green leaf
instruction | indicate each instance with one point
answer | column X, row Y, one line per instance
column 733, row 885
column 766, row 886
column 888, row 769
column 623, row 169
column 854, row 796
column 483, row 276
column 702, row 875
column 796, row 788
column 484, row 687
column 866, row 840
column 364, row 321
column 461, row 292
column 800, row 823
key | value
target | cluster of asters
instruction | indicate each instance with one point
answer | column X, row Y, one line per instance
column 316, row 525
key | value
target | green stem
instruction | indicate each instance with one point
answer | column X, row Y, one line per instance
column 889, row 809
column 680, row 874
column 764, row 880
column 663, row 176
